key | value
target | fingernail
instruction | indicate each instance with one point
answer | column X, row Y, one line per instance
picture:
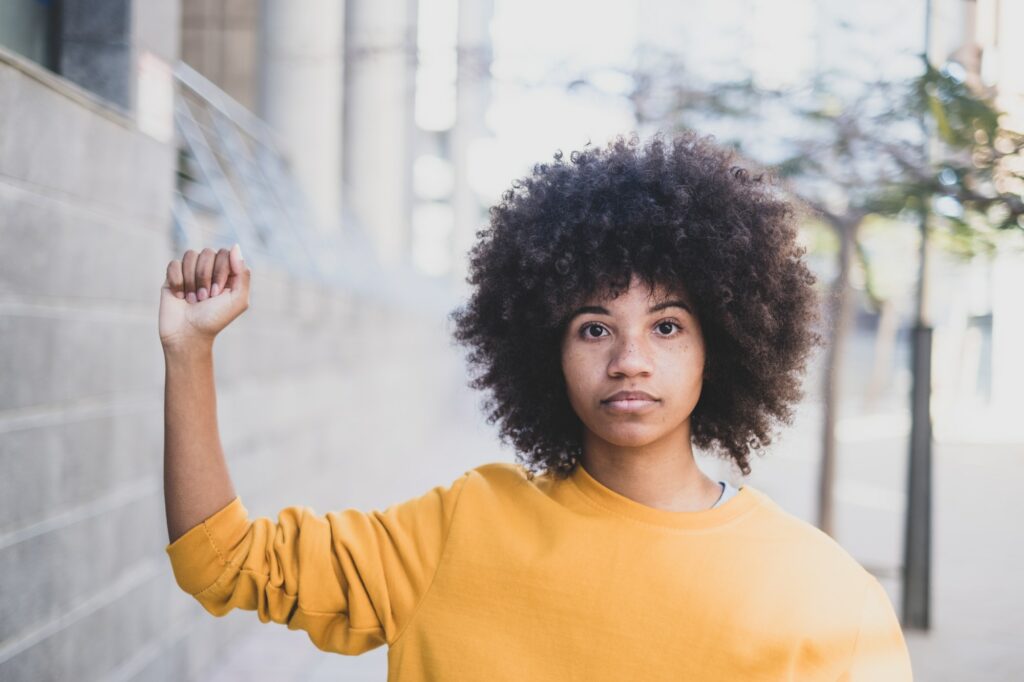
column 215, row 289
column 238, row 248
column 180, row 294
column 202, row 293
column 191, row 297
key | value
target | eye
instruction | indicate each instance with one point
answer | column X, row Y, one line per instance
column 592, row 330
column 666, row 327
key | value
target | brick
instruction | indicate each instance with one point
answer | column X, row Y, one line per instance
column 310, row 381
column 70, row 564
column 49, row 241
column 97, row 644
column 54, row 469
column 42, row 138
column 52, row 141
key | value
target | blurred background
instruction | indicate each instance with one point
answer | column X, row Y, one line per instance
column 353, row 148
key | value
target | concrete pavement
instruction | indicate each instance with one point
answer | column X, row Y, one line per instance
column 978, row 545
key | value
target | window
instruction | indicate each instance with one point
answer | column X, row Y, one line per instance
column 30, row 27
column 88, row 42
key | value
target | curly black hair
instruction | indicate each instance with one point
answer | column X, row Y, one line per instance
column 682, row 212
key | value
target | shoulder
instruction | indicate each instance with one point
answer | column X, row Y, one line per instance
column 802, row 574
column 500, row 474
column 501, row 484
column 811, row 555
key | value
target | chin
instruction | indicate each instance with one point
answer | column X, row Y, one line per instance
column 629, row 437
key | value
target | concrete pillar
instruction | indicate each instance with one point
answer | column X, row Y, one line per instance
column 380, row 85
column 471, row 100
column 301, row 95
column 220, row 40
column 1007, row 333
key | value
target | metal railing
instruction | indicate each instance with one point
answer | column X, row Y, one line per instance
column 231, row 168
column 234, row 185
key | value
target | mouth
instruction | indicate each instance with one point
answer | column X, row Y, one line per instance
column 629, row 402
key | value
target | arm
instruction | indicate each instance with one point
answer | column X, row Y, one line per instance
column 196, row 478
column 351, row 580
column 880, row 653
column 201, row 295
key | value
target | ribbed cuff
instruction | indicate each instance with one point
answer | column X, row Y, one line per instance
column 199, row 556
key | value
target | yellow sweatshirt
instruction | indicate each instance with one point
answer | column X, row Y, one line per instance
column 497, row 577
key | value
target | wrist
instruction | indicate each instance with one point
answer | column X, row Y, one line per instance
column 190, row 349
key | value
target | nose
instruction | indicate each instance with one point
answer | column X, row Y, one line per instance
column 630, row 357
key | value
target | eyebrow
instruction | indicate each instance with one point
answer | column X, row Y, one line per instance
column 598, row 310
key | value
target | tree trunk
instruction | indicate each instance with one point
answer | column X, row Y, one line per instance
column 840, row 305
column 917, row 531
column 885, row 344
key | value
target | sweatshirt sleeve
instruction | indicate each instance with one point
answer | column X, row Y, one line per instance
column 350, row 579
column 880, row 653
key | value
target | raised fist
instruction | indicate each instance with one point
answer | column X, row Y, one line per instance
column 201, row 295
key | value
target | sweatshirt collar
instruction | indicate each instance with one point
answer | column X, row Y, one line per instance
column 743, row 501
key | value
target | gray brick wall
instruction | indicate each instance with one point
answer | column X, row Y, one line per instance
column 326, row 398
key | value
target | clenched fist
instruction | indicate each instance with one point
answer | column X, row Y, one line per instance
column 201, row 295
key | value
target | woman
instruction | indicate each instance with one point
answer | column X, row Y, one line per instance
column 628, row 304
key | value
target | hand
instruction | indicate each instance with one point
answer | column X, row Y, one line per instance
column 201, row 295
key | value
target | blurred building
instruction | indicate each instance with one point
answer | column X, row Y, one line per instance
column 391, row 98
column 977, row 366
column 985, row 323
column 377, row 111
column 982, row 35
column 129, row 131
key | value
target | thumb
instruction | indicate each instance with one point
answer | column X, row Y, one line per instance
column 236, row 259
column 239, row 275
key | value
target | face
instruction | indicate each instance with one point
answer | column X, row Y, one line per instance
column 634, row 366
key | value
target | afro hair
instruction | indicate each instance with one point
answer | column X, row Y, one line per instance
column 682, row 212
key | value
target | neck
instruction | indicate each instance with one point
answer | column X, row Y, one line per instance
column 663, row 474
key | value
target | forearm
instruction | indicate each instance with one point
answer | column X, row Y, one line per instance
column 196, row 479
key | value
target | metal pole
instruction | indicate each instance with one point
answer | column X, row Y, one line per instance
column 917, row 539
column 917, row 544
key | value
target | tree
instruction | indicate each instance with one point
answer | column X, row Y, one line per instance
column 932, row 148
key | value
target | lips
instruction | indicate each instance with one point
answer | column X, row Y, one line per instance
column 630, row 402
column 628, row 395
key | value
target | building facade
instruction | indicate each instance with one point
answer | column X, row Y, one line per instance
column 312, row 380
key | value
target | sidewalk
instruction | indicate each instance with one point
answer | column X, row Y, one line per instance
column 978, row 555
column 977, row 607
column 272, row 652
column 978, row 574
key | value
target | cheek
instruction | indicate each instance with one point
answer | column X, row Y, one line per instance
column 578, row 370
column 686, row 367
column 572, row 370
column 695, row 366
